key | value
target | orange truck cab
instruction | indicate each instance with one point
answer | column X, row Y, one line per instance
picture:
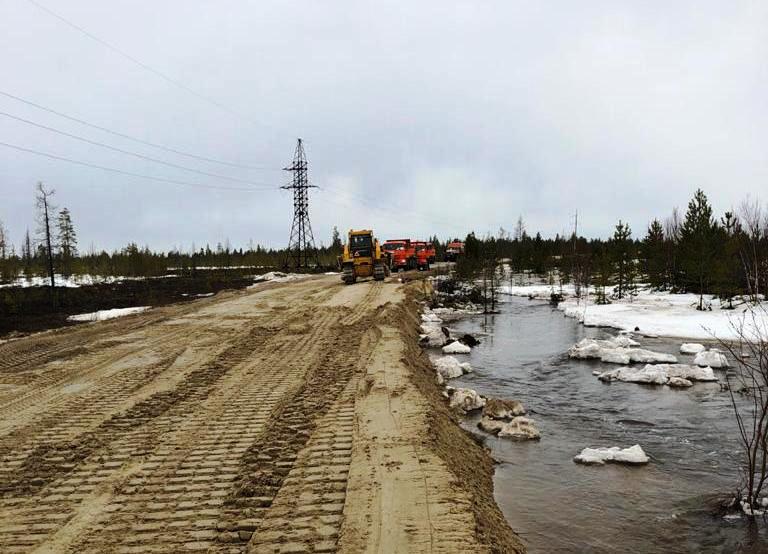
column 454, row 250
column 402, row 252
column 422, row 254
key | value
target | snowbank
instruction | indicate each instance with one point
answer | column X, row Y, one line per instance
column 659, row 374
column 617, row 351
column 633, row 455
column 651, row 312
column 456, row 348
column 102, row 315
column 449, row 367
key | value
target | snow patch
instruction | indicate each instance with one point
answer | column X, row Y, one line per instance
column 102, row 315
column 278, row 277
column 653, row 313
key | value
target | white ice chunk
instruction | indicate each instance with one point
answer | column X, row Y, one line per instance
column 599, row 456
column 449, row 367
column 679, row 382
column 519, row 428
column 691, row 348
column 456, row 348
column 712, row 358
column 659, row 374
column 649, row 375
column 466, row 400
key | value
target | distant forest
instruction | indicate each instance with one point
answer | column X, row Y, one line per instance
column 697, row 251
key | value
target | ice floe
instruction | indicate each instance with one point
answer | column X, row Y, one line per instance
column 497, row 408
column 618, row 350
column 712, row 358
column 456, row 347
column 466, row 400
column 659, row 374
column 449, row 367
column 518, row 428
column 691, row 348
column 634, row 455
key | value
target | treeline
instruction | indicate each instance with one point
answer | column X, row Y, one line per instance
column 53, row 248
column 698, row 252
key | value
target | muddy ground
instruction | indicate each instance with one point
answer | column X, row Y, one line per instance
column 297, row 417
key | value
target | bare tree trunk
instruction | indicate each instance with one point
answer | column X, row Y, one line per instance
column 44, row 207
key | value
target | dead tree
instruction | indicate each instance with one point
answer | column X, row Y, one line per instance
column 44, row 210
column 748, row 387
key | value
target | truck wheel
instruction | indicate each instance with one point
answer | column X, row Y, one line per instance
column 378, row 273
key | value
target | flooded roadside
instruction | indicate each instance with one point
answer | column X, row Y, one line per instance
column 559, row 506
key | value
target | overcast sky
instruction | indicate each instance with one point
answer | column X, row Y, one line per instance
column 418, row 117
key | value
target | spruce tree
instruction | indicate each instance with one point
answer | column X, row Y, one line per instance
column 654, row 257
column 622, row 257
column 336, row 245
column 67, row 241
column 697, row 245
column 728, row 270
column 603, row 272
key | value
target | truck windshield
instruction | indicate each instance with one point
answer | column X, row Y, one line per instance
column 393, row 246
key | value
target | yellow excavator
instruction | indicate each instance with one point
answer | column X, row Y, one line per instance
column 363, row 257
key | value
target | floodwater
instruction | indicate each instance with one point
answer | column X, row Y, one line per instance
column 559, row 506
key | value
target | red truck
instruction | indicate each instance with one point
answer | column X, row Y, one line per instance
column 402, row 252
column 454, row 250
column 425, row 254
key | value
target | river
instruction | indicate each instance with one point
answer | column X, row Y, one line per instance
column 558, row 506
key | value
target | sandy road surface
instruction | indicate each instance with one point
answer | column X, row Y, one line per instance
column 280, row 419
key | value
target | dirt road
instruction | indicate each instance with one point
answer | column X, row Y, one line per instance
column 287, row 418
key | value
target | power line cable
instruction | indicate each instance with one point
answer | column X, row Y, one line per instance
column 131, row 174
column 145, row 66
column 127, row 152
column 382, row 210
column 395, row 210
column 140, row 141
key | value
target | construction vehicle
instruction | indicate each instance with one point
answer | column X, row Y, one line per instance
column 422, row 254
column 402, row 252
column 454, row 250
column 363, row 257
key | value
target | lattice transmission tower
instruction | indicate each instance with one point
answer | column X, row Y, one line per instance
column 301, row 245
